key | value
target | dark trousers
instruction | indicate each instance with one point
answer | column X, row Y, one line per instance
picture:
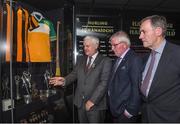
column 123, row 119
column 91, row 116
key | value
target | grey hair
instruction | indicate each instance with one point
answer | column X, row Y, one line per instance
column 122, row 36
column 157, row 21
column 94, row 39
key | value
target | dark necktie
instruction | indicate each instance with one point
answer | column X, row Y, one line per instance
column 115, row 67
column 146, row 81
column 88, row 65
column 116, row 64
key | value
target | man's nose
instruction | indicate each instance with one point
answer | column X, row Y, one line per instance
column 140, row 36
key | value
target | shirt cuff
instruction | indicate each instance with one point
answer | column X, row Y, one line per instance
column 127, row 114
column 64, row 83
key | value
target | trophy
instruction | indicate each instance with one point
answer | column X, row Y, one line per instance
column 5, row 87
column 26, row 78
column 47, row 76
column 49, row 90
column 45, row 93
column 17, row 81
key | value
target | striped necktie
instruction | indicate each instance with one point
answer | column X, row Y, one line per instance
column 147, row 78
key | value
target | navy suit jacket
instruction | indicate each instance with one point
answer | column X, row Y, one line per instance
column 123, row 88
column 163, row 101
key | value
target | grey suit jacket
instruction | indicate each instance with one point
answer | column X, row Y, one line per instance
column 91, row 85
column 163, row 101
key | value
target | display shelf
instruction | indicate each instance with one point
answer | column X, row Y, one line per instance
column 36, row 111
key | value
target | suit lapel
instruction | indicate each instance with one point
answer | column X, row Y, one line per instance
column 95, row 63
column 163, row 62
column 124, row 60
column 121, row 65
column 84, row 63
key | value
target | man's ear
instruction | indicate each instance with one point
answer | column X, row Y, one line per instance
column 97, row 46
column 125, row 45
column 158, row 31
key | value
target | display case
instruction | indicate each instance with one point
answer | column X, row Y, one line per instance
column 40, row 39
column 35, row 44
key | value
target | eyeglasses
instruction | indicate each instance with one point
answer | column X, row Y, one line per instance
column 114, row 45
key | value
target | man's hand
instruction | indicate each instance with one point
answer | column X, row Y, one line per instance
column 88, row 105
column 57, row 81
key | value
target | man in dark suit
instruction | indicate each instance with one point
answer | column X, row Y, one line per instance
column 123, row 87
column 160, row 87
column 91, row 72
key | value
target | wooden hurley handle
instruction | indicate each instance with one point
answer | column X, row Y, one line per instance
column 58, row 71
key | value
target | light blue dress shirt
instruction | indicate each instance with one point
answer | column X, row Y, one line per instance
column 157, row 58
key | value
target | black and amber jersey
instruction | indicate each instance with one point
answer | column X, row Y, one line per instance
column 24, row 22
column 7, row 22
column 21, row 22
column 1, row 14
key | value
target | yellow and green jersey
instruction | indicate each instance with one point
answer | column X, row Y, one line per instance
column 39, row 41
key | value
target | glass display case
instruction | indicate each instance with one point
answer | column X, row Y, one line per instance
column 34, row 45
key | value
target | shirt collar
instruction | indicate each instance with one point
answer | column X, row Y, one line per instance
column 122, row 56
column 95, row 55
column 161, row 47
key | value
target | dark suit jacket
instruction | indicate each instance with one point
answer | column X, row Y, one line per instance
column 91, row 85
column 163, row 101
column 123, row 90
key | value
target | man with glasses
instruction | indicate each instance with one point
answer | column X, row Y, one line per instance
column 123, row 87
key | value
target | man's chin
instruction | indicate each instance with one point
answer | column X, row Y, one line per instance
column 145, row 45
column 87, row 54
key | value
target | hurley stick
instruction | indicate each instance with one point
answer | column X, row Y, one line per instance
column 58, row 72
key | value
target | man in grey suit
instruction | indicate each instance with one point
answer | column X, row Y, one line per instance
column 160, row 86
column 91, row 72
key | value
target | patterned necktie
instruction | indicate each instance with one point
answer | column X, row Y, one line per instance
column 146, row 81
column 88, row 65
